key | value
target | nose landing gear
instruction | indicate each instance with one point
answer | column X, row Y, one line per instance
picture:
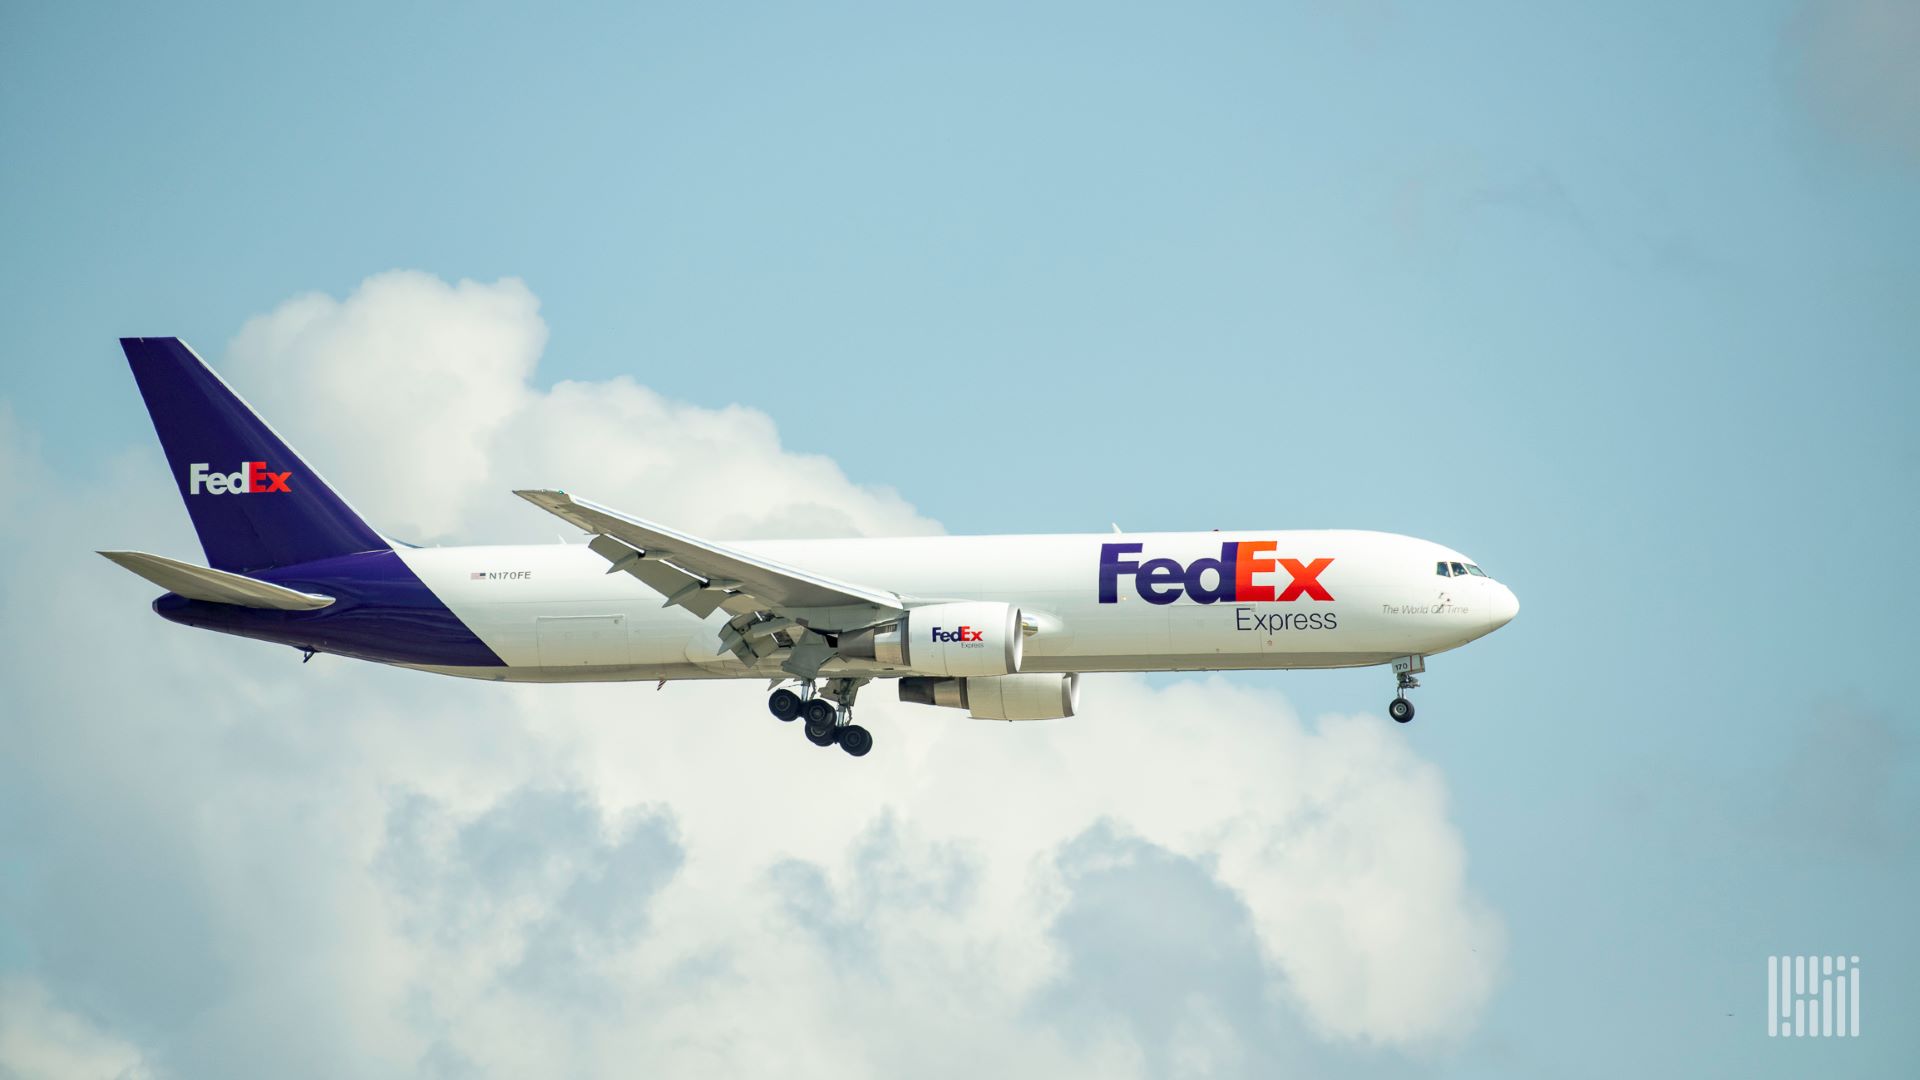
column 1404, row 669
column 828, row 714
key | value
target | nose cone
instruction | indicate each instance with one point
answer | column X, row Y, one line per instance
column 1502, row 606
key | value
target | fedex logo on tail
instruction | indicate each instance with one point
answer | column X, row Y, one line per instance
column 254, row 478
column 1209, row 581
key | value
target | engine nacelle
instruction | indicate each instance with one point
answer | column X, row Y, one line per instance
column 999, row 697
column 974, row 637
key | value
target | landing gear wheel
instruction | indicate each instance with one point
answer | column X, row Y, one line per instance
column 856, row 740
column 823, row 736
column 820, row 713
column 1400, row 709
column 785, row 705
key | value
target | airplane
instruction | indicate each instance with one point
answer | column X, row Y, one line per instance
column 1001, row 626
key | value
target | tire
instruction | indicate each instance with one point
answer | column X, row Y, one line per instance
column 856, row 740
column 785, row 705
column 820, row 713
column 826, row 736
column 1400, row 709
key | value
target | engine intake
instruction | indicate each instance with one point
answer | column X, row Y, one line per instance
column 999, row 697
column 975, row 637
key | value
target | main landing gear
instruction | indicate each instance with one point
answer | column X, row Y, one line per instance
column 1404, row 669
column 828, row 714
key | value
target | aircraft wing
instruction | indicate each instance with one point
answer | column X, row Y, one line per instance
column 701, row 575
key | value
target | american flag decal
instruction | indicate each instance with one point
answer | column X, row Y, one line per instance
column 478, row 575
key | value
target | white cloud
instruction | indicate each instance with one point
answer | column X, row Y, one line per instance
column 264, row 867
column 416, row 398
column 39, row 1041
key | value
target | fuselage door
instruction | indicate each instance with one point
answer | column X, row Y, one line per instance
column 581, row 640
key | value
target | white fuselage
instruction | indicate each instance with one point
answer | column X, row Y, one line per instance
column 554, row 613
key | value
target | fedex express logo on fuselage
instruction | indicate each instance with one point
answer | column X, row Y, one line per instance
column 1210, row 581
column 254, row 478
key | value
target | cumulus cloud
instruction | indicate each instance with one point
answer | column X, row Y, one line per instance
column 235, row 864
column 43, row 1041
column 1855, row 62
column 416, row 397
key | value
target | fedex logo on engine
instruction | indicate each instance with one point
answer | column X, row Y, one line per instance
column 254, row 478
column 1209, row 581
column 963, row 635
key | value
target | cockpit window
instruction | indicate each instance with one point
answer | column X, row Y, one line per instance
column 1459, row 570
column 1475, row 571
column 1441, row 569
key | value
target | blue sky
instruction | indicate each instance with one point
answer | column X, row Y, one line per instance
column 1616, row 298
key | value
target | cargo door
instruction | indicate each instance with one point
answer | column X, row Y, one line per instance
column 581, row 640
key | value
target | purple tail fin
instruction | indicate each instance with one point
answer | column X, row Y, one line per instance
column 254, row 503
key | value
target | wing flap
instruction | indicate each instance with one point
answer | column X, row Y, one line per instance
column 690, row 591
column 215, row 586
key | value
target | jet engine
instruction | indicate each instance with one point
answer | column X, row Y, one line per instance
column 975, row 637
column 999, row 697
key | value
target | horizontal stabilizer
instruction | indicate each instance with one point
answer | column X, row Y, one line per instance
column 216, row 586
